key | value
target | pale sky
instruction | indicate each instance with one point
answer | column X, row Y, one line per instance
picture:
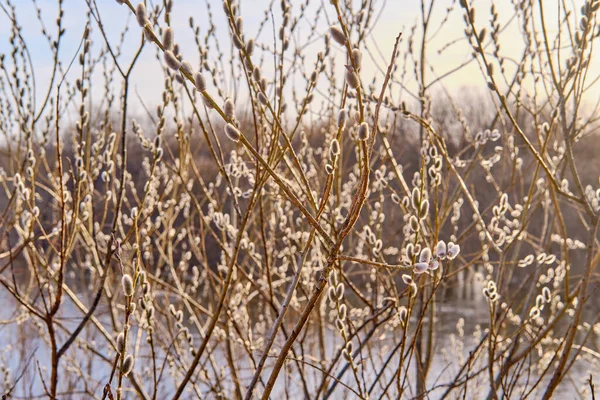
column 397, row 15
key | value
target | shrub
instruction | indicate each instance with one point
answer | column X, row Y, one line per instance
column 288, row 222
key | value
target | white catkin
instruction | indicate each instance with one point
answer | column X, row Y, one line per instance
column 337, row 35
column 352, row 78
column 140, row 14
column 171, row 60
column 363, row 131
column 357, row 57
column 334, row 148
column 199, row 82
column 232, row 132
column 187, row 67
column 229, row 108
column 440, row 249
column 127, row 283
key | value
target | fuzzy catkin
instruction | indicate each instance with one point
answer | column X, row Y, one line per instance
column 337, row 35
column 363, row 131
column 250, row 47
column 229, row 108
column 334, row 149
column 187, row 67
column 140, row 14
column 357, row 58
column 232, row 132
column 341, row 120
column 352, row 78
column 256, row 74
column 262, row 98
column 171, row 60
column 120, row 342
column 199, row 82
column 127, row 365
column 127, row 283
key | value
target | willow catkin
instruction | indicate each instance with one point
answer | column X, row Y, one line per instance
column 334, row 148
column 168, row 38
column 171, row 60
column 337, row 35
column 120, row 342
column 250, row 47
column 127, row 283
column 453, row 250
column 127, row 365
column 140, row 14
column 232, row 132
column 187, row 67
column 363, row 131
column 207, row 102
column 262, row 98
column 199, row 82
column 229, row 108
column 357, row 58
column 441, row 249
column 256, row 74
column 352, row 78
column 341, row 119
column 237, row 41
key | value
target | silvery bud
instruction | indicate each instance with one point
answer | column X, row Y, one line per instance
column 140, row 14
column 337, row 35
column 199, row 82
column 168, row 38
column 171, row 60
column 363, row 131
column 127, row 283
column 127, row 365
column 232, row 132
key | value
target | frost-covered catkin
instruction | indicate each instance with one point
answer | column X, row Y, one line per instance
column 363, row 131
column 337, row 35
column 127, row 283
column 168, row 38
column 171, row 60
column 232, row 132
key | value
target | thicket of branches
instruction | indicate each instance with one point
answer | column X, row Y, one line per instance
column 291, row 223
